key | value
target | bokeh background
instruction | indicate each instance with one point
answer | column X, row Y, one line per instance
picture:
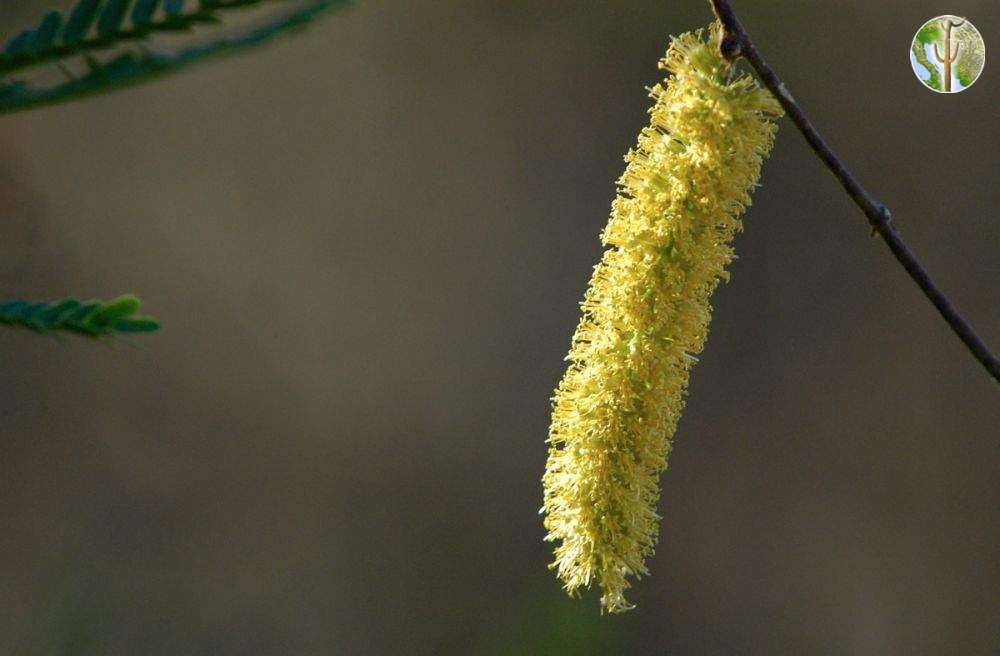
column 367, row 245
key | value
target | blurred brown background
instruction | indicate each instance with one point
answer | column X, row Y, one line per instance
column 367, row 245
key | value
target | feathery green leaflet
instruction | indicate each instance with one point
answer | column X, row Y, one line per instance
column 104, row 44
column 100, row 45
column 93, row 318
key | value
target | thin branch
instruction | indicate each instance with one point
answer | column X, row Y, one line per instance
column 737, row 43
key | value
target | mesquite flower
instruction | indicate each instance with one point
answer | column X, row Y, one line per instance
column 646, row 314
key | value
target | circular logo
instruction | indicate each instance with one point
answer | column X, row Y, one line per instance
column 947, row 54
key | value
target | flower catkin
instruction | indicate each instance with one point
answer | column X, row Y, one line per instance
column 646, row 313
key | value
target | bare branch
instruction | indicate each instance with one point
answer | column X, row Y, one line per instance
column 736, row 42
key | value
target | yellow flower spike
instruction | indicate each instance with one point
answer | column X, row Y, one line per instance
column 646, row 314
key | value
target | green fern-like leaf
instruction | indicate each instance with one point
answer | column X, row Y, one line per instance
column 106, row 44
column 92, row 318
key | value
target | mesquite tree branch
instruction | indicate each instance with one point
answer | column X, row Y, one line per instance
column 737, row 43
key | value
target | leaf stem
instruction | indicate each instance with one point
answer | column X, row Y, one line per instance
column 737, row 43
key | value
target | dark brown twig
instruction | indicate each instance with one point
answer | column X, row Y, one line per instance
column 737, row 43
